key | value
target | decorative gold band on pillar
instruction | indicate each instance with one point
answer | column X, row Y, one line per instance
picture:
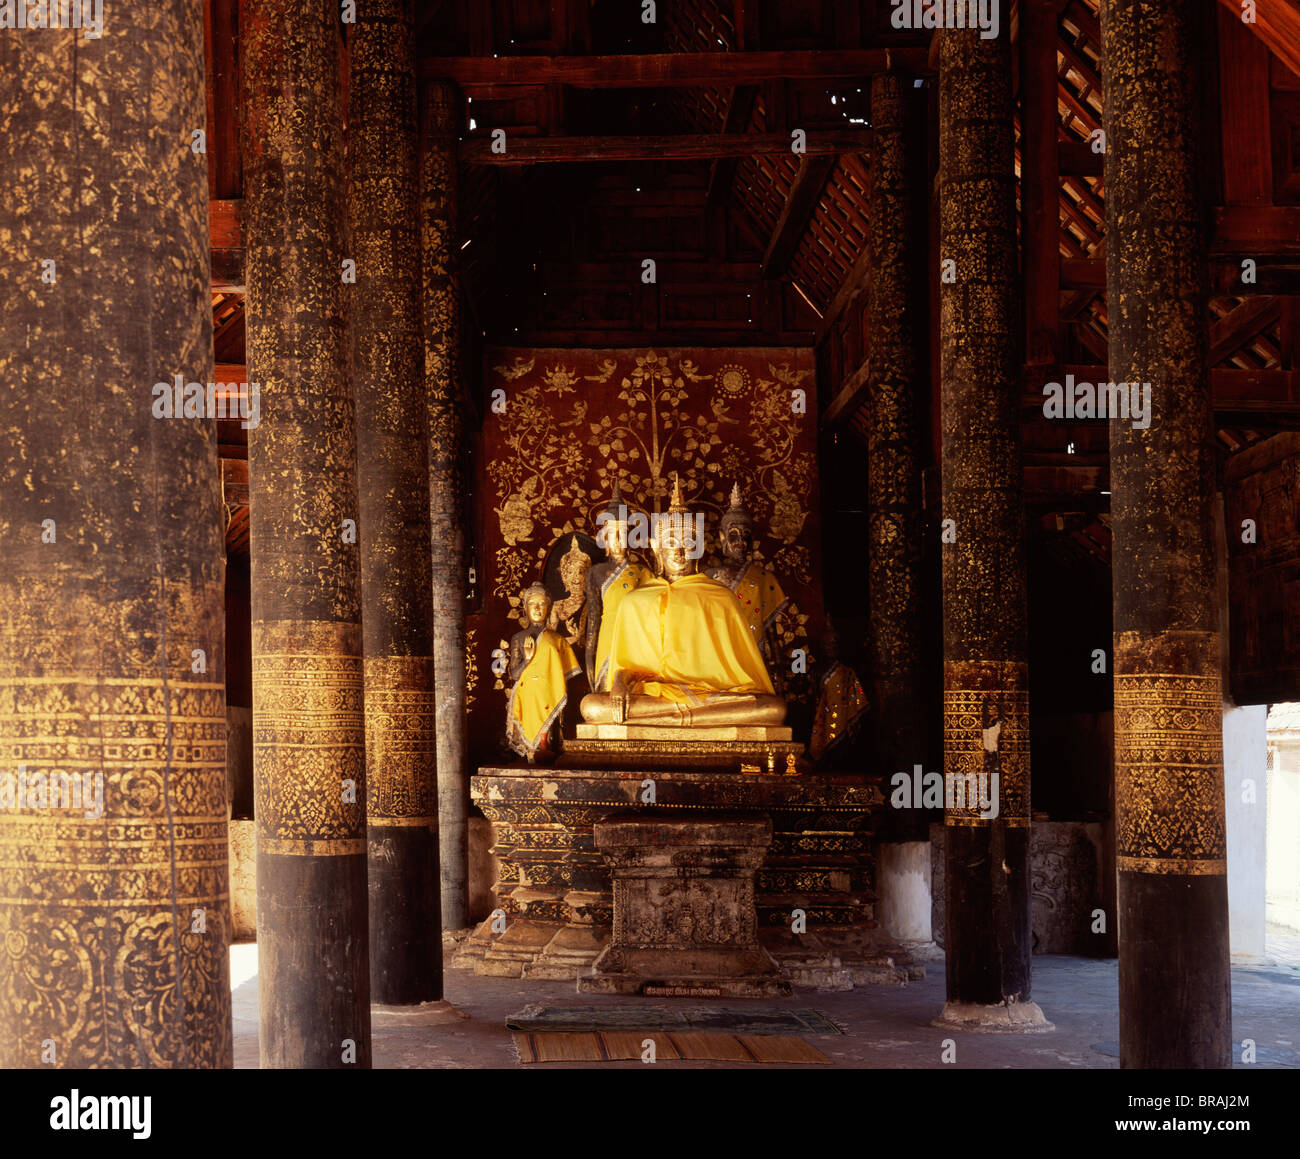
column 1169, row 759
column 401, row 740
column 99, row 891
column 986, row 732
column 308, row 736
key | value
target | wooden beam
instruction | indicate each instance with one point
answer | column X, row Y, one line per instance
column 1256, row 231
column 226, row 243
column 1243, row 86
column 852, row 286
column 1277, row 24
column 681, row 146
column 1040, row 187
column 1231, row 332
column 654, row 334
column 1263, row 394
column 674, row 70
column 1076, row 159
column 723, row 171
column 1083, row 274
column 799, row 208
column 844, row 405
column 1273, row 276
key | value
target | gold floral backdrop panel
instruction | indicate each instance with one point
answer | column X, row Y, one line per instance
column 561, row 426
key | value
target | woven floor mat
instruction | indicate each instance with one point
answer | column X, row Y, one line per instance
column 620, row 1046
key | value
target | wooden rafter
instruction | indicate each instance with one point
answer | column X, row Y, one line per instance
column 681, row 146
column 669, row 70
column 1277, row 24
column 799, row 207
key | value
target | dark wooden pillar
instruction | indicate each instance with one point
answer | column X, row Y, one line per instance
column 393, row 482
column 986, row 698
column 893, row 467
column 114, row 912
column 443, row 366
column 1174, row 996
column 308, row 730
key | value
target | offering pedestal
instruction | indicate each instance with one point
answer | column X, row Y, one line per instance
column 684, row 918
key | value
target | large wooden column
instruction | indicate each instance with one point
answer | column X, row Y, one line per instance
column 985, row 671
column 443, row 364
column 114, row 908
column 893, row 467
column 393, row 481
column 308, row 730
column 1174, row 997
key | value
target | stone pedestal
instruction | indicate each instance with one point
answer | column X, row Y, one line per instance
column 814, row 895
column 684, row 917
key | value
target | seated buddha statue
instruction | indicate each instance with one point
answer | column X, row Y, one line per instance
column 681, row 652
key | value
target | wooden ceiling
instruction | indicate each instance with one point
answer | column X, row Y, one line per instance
column 671, row 140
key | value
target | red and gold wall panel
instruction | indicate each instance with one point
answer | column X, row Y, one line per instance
column 561, row 425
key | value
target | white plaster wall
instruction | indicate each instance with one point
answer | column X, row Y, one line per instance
column 1245, row 759
column 904, row 885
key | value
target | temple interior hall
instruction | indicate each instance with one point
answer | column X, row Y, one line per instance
column 589, row 534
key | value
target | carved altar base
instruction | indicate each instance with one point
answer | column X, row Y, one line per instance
column 765, row 748
column 555, row 886
column 684, row 918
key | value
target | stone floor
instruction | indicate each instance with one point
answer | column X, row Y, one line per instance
column 887, row 1027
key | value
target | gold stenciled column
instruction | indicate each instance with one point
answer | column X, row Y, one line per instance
column 114, row 909
column 985, row 639
column 443, row 370
column 393, row 481
column 893, row 468
column 1175, row 1001
column 308, row 729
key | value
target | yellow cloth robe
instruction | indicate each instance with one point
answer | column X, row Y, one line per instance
column 540, row 693
column 760, row 596
column 839, row 709
column 682, row 641
column 617, row 584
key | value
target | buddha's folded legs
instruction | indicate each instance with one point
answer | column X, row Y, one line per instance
column 719, row 709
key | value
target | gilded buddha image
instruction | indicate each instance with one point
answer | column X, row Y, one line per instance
column 607, row 584
column 541, row 663
column 681, row 652
column 754, row 585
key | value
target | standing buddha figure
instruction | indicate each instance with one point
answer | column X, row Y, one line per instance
column 841, row 705
column 541, row 664
column 760, row 595
column 607, row 584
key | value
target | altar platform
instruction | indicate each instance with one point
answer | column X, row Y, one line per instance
column 815, row 893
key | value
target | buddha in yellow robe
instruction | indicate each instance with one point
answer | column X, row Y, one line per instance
column 757, row 589
column 681, row 652
column 541, row 665
column 607, row 584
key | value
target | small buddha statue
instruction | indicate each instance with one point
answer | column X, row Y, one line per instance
column 757, row 589
column 681, row 652
column 607, row 584
column 841, row 704
column 570, row 615
column 541, row 664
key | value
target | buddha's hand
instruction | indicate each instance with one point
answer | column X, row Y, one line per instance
column 618, row 701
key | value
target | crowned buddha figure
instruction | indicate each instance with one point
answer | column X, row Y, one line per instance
column 541, row 663
column 607, row 584
column 681, row 653
column 757, row 589
column 570, row 615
